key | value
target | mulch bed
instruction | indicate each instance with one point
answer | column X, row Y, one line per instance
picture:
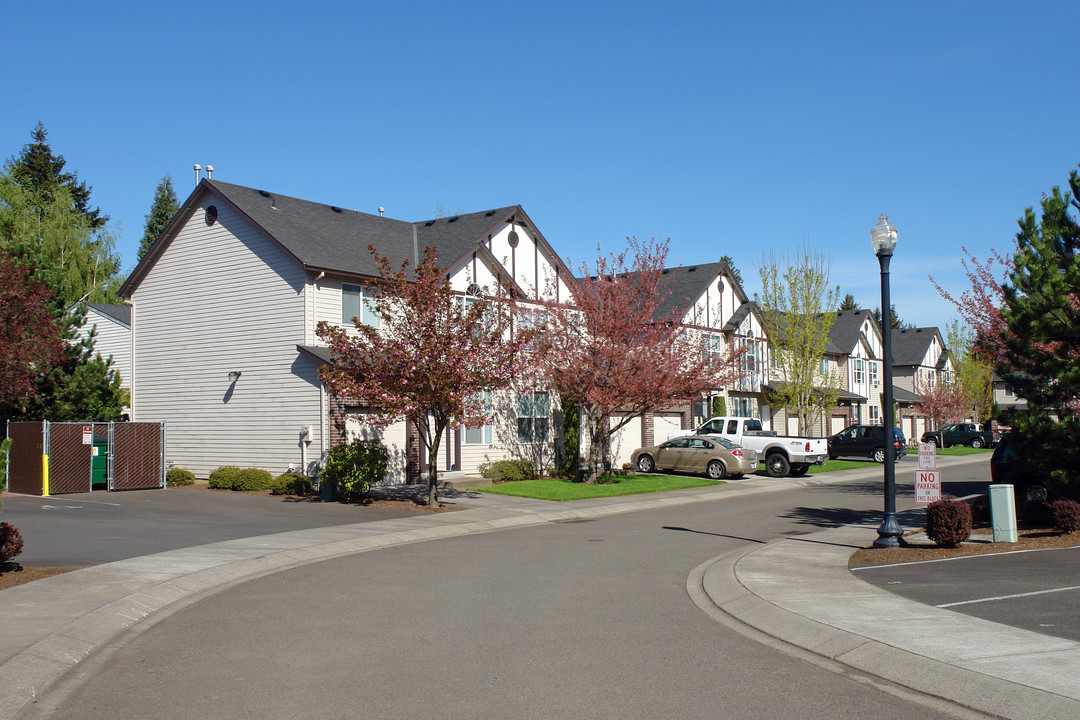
column 1028, row 539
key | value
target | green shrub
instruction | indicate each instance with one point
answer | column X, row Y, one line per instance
column 291, row 484
column 948, row 522
column 509, row 470
column 719, row 406
column 253, row 479
column 354, row 467
column 1066, row 514
column 179, row 476
column 224, row 477
column 11, row 543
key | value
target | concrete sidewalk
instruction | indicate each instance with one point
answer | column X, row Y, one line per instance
column 787, row 590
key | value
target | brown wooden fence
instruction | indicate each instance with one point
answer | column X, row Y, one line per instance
column 135, row 456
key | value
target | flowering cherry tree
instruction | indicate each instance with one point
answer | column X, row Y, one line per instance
column 617, row 351
column 434, row 353
column 980, row 304
column 942, row 402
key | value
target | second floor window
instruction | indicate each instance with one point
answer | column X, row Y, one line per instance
column 860, row 371
column 873, row 373
column 358, row 302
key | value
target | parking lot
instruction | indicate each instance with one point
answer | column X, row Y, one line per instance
column 100, row 527
column 1036, row 590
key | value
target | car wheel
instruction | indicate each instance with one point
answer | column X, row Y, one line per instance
column 716, row 470
column 879, row 455
column 976, row 443
column 799, row 470
column 777, row 465
column 645, row 463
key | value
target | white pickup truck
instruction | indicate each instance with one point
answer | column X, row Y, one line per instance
column 781, row 455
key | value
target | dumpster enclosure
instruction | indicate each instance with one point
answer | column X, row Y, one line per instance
column 48, row 458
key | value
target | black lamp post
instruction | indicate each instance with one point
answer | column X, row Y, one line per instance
column 883, row 236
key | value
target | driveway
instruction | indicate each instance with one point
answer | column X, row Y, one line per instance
column 100, row 527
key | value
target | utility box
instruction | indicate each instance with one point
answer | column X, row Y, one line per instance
column 1003, row 513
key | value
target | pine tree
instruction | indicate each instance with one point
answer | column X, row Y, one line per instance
column 1042, row 343
column 37, row 169
column 161, row 212
column 848, row 303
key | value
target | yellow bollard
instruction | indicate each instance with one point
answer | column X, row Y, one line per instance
column 44, row 476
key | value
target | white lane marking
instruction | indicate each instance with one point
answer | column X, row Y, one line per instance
column 960, row 557
column 1008, row 597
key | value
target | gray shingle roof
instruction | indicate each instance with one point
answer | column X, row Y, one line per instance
column 119, row 313
column 325, row 237
column 686, row 283
column 909, row 345
column 846, row 330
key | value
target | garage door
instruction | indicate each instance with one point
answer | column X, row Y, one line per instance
column 625, row 441
column 664, row 423
column 394, row 437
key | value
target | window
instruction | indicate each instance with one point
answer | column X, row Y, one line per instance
column 873, row 373
column 534, row 411
column 358, row 302
column 875, row 415
column 860, row 373
column 480, row 435
column 742, row 407
column 713, row 347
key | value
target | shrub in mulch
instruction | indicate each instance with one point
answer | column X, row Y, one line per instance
column 179, row 476
column 1066, row 515
column 291, row 484
column 11, row 543
column 948, row 522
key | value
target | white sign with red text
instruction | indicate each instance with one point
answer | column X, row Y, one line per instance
column 88, row 435
column 927, row 456
column 927, row 486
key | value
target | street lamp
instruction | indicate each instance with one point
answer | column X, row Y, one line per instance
column 883, row 237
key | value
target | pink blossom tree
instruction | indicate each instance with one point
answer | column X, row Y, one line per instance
column 942, row 402
column 431, row 358
column 617, row 351
column 980, row 304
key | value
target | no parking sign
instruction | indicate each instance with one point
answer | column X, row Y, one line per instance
column 927, row 486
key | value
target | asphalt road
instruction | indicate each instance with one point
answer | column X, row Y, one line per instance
column 577, row 619
column 92, row 528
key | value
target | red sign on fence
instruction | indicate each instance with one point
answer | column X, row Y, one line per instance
column 87, row 434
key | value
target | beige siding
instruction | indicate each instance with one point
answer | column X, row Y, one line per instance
column 224, row 298
column 113, row 338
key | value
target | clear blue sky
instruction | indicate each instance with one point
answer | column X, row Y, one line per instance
column 732, row 128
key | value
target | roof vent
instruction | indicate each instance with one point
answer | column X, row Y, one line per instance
column 453, row 219
column 264, row 193
column 512, row 238
column 489, row 213
column 429, row 223
column 381, row 210
column 691, row 269
column 335, row 208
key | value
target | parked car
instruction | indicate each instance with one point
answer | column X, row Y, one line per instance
column 714, row 456
column 781, row 454
column 959, row 434
column 865, row 441
column 1007, row 467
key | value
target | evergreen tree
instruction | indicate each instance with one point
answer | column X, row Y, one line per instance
column 848, row 303
column 731, row 265
column 162, row 210
column 37, row 169
column 1042, row 338
column 895, row 322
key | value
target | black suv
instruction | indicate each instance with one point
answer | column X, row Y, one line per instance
column 864, row 441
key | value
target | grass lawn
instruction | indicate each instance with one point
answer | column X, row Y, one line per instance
column 831, row 465
column 558, row 489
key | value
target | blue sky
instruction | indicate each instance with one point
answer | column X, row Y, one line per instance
column 732, row 128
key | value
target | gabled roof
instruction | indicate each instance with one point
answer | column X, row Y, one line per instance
column 909, row 345
column 119, row 313
column 328, row 238
column 846, row 330
column 686, row 283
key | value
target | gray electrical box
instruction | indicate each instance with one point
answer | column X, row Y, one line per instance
column 1003, row 513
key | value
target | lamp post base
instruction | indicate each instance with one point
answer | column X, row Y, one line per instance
column 890, row 534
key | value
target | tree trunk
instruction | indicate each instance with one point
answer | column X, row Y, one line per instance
column 596, row 444
column 433, row 470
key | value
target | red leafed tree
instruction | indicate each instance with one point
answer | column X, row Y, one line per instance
column 942, row 402
column 617, row 351
column 980, row 305
column 30, row 342
column 434, row 353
